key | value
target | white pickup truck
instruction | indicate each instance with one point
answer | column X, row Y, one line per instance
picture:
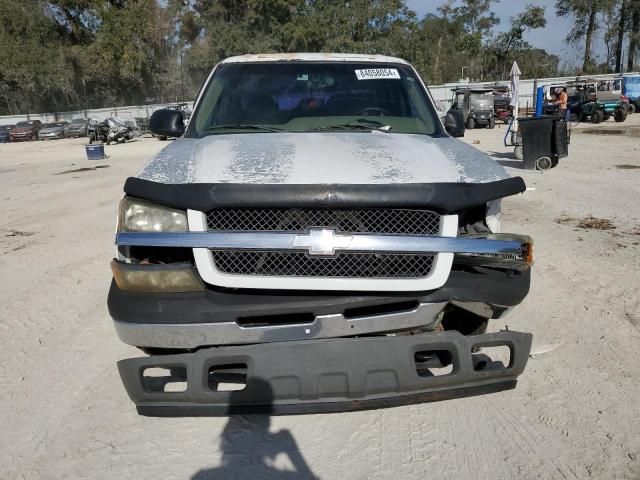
column 315, row 241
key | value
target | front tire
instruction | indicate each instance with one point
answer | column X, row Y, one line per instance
column 597, row 117
column 492, row 123
column 620, row 116
column 471, row 123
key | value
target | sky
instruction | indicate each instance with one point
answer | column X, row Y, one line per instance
column 551, row 38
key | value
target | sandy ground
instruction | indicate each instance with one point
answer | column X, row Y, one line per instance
column 575, row 413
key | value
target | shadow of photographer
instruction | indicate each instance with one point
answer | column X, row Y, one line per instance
column 250, row 450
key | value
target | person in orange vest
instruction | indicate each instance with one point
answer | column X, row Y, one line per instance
column 562, row 100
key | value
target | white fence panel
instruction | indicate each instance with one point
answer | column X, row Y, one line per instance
column 127, row 112
column 439, row 92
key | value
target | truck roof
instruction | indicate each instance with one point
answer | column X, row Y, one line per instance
column 472, row 88
column 313, row 57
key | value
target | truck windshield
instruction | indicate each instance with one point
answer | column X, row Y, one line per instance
column 481, row 95
column 317, row 97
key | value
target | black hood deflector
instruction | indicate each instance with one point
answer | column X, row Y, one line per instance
column 442, row 197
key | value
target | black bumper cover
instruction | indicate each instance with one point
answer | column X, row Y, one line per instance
column 495, row 287
column 321, row 376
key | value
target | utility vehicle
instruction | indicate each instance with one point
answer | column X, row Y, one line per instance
column 476, row 105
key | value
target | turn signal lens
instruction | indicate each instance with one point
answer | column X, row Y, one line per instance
column 175, row 277
column 527, row 253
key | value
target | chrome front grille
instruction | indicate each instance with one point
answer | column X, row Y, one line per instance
column 399, row 221
column 342, row 265
column 299, row 263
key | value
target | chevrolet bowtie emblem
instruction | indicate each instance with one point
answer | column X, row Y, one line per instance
column 322, row 242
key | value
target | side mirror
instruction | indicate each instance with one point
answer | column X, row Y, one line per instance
column 454, row 123
column 166, row 123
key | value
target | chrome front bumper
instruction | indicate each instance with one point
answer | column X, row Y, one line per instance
column 347, row 243
column 187, row 336
column 325, row 245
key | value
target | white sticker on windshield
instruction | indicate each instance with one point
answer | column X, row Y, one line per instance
column 377, row 73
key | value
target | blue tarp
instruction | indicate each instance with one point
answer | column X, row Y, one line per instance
column 632, row 87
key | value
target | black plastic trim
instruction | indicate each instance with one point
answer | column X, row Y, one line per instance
column 319, row 376
column 442, row 197
column 170, row 411
column 498, row 288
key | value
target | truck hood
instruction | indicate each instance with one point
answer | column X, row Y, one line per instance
column 321, row 158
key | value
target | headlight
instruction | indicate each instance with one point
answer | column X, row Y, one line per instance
column 142, row 216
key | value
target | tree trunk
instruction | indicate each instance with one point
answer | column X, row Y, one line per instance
column 436, row 68
column 635, row 34
column 589, row 38
column 623, row 14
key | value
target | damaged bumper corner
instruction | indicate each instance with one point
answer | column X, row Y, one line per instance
column 322, row 376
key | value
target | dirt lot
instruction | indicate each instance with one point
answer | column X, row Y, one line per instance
column 574, row 415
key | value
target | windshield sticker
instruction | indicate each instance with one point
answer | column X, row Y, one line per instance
column 377, row 73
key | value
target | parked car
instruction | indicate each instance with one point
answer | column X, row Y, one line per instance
column 51, row 131
column 25, row 131
column 476, row 105
column 78, row 127
column 93, row 127
column 4, row 133
column 336, row 250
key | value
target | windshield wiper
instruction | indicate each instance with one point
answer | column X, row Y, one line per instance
column 242, row 126
column 360, row 124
